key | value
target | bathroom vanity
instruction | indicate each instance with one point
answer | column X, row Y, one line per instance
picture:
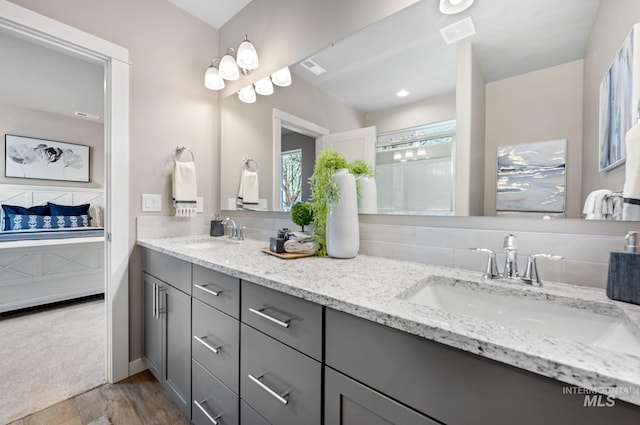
column 324, row 341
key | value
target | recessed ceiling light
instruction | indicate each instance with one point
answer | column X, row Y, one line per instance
column 86, row 115
column 451, row 7
column 403, row 93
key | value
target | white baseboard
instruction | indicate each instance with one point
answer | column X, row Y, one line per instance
column 136, row 366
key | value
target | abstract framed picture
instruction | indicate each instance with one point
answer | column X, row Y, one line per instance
column 531, row 177
column 31, row 158
column 619, row 95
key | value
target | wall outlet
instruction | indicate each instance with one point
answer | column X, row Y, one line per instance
column 231, row 204
column 151, row 202
column 262, row 204
column 199, row 204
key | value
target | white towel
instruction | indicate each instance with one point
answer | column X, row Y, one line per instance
column 595, row 204
column 300, row 247
column 631, row 189
column 248, row 192
column 184, row 188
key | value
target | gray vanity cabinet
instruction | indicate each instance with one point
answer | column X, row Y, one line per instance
column 453, row 386
column 348, row 402
column 167, row 325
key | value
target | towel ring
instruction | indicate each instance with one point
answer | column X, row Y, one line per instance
column 246, row 163
column 180, row 150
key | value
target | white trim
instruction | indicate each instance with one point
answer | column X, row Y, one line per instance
column 64, row 37
column 137, row 366
column 299, row 125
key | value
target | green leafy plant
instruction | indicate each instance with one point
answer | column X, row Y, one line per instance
column 361, row 168
column 302, row 214
column 324, row 191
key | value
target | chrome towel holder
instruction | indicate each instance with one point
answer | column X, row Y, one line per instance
column 180, row 150
column 246, row 163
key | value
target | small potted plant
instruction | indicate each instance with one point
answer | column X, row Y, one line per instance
column 302, row 214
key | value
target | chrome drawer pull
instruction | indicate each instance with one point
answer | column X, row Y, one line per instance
column 200, row 406
column 155, row 301
column 216, row 350
column 209, row 291
column 271, row 318
column 280, row 398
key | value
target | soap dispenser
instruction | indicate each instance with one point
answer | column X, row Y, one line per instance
column 623, row 279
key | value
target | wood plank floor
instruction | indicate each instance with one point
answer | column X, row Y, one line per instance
column 138, row 400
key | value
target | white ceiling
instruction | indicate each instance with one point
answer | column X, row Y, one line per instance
column 214, row 12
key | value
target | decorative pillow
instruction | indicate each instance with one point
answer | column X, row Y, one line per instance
column 14, row 209
column 68, row 209
column 30, row 222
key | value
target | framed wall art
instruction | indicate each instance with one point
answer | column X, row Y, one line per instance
column 31, row 158
column 619, row 96
column 532, row 177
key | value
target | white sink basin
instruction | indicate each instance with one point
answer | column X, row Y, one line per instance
column 210, row 244
column 610, row 331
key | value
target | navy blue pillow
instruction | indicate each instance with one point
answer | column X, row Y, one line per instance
column 68, row 209
column 31, row 222
column 14, row 209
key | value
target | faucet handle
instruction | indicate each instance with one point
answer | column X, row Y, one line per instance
column 531, row 275
column 491, row 270
column 241, row 230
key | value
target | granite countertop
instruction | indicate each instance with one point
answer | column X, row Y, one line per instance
column 375, row 288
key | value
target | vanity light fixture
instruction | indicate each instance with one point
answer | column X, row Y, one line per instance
column 228, row 67
column 247, row 56
column 212, row 78
column 247, row 94
column 451, row 7
column 408, row 154
column 422, row 152
column 397, row 156
column 282, row 77
column 264, row 86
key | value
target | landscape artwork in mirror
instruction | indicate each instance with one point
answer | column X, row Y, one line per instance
column 618, row 90
column 532, row 177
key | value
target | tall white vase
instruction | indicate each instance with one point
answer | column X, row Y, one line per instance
column 343, row 232
column 368, row 200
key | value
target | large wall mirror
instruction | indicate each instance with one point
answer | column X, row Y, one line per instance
column 402, row 77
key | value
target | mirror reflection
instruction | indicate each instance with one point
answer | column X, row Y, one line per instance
column 518, row 80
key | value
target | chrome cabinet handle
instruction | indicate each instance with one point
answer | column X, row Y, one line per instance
column 271, row 318
column 155, row 301
column 216, row 350
column 209, row 291
column 280, row 398
column 160, row 310
column 199, row 405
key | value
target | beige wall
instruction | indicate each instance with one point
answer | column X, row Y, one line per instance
column 435, row 109
column 43, row 125
column 614, row 21
column 287, row 31
column 468, row 149
column 247, row 130
column 169, row 105
column 533, row 107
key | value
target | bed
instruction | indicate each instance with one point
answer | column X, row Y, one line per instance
column 41, row 266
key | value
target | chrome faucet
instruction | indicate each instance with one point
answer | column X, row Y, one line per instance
column 510, row 246
column 233, row 234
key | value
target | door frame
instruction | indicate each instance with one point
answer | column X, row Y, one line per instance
column 36, row 27
column 282, row 119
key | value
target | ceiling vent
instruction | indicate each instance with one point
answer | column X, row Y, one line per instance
column 312, row 67
column 458, row 31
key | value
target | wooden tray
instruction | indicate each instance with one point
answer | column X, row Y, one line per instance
column 286, row 255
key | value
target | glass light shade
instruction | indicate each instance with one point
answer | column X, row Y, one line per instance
column 451, row 7
column 212, row 79
column 247, row 95
column 282, row 77
column 228, row 68
column 264, row 86
column 247, row 57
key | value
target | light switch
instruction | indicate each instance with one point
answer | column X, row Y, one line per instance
column 199, row 204
column 151, row 202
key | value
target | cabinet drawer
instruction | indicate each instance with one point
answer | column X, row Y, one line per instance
column 348, row 402
column 215, row 343
column 281, row 384
column 211, row 398
column 296, row 322
column 451, row 385
column 168, row 269
column 250, row 416
column 217, row 289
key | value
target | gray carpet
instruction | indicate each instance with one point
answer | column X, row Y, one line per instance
column 49, row 356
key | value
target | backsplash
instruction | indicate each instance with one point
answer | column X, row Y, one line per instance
column 585, row 261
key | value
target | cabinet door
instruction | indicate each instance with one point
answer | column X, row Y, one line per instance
column 213, row 402
column 349, row 403
column 152, row 326
column 177, row 365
